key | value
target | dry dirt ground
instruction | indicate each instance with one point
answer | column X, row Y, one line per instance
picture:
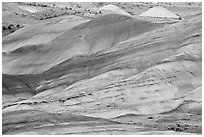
column 75, row 68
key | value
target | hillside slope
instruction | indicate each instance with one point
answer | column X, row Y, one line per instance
column 134, row 73
column 38, row 53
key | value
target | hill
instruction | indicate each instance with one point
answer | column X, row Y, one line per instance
column 110, row 74
column 40, row 52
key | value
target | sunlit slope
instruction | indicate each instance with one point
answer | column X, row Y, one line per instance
column 40, row 33
column 12, row 13
column 84, row 39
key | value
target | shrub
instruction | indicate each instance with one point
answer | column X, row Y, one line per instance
column 9, row 27
column 4, row 27
column 12, row 30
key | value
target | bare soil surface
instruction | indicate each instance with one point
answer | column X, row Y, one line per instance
column 92, row 68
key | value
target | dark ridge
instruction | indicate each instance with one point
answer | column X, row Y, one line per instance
column 25, row 49
column 27, row 83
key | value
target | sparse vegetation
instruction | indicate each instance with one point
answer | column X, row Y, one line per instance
column 178, row 127
column 7, row 29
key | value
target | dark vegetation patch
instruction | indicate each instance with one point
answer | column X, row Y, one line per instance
column 178, row 127
column 10, row 28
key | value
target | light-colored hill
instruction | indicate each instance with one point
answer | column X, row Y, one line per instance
column 159, row 12
column 114, row 9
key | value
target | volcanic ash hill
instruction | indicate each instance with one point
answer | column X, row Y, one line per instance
column 112, row 75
